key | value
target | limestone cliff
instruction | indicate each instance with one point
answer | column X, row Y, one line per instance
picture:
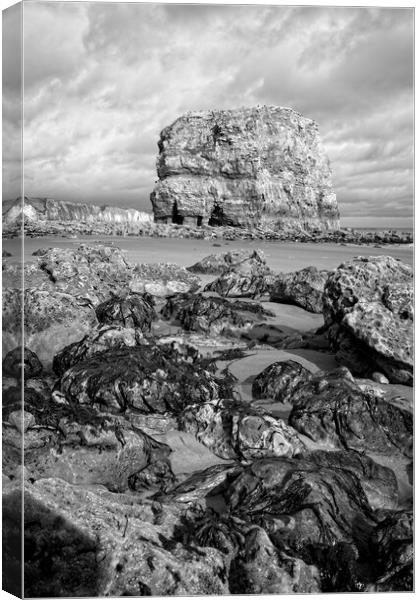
column 48, row 209
column 246, row 167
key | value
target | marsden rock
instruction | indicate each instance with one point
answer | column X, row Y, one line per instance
column 303, row 288
column 368, row 306
column 244, row 167
column 331, row 408
column 149, row 379
column 236, row 430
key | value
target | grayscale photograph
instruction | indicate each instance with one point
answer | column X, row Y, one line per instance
column 207, row 296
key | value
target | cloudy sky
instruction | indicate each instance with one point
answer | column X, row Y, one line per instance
column 102, row 80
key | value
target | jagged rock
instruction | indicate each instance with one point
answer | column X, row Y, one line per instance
column 330, row 408
column 262, row 569
column 132, row 310
column 22, row 420
column 378, row 482
column 245, row 167
column 249, row 278
column 237, row 430
column 219, row 263
column 204, row 484
column 209, row 314
column 279, row 381
column 392, row 543
column 361, row 279
column 81, row 543
column 303, row 288
column 16, row 359
column 150, row 379
column 306, row 509
column 100, row 339
column 162, row 280
column 6, row 254
column 88, row 271
column 368, row 304
column 238, row 285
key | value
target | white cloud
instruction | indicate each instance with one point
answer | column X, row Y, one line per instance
column 102, row 80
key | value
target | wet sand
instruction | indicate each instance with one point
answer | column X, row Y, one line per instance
column 281, row 256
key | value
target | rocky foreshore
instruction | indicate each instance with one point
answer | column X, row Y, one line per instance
column 74, row 229
column 185, row 437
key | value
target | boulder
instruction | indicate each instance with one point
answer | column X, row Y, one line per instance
column 237, row 430
column 368, row 306
column 149, row 379
column 90, row 271
column 378, row 482
column 279, row 381
column 392, row 546
column 303, row 288
column 131, row 310
column 262, row 569
column 316, row 513
column 162, row 279
column 250, row 278
column 246, row 167
column 99, row 339
column 18, row 358
column 216, row 264
column 330, row 408
column 210, row 314
column 84, row 543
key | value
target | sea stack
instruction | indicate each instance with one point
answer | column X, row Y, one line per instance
column 249, row 167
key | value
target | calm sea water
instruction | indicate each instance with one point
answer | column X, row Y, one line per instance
column 281, row 256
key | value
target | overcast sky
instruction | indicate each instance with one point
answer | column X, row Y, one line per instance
column 102, row 80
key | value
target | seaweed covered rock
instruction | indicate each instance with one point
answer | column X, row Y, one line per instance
column 330, row 408
column 82, row 543
column 216, row 264
column 211, row 314
column 368, row 304
column 392, row 545
column 261, row 568
column 204, row 484
column 131, row 310
column 303, row 288
column 279, row 381
column 378, row 482
column 250, row 278
column 237, row 430
column 19, row 359
column 304, row 507
column 149, row 379
column 99, row 339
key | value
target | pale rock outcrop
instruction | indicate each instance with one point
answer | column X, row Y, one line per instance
column 368, row 307
column 246, row 167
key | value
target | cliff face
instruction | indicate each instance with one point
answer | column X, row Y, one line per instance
column 47, row 209
column 245, row 167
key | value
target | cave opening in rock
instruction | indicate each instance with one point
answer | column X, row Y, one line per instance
column 217, row 216
column 176, row 217
column 199, row 221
